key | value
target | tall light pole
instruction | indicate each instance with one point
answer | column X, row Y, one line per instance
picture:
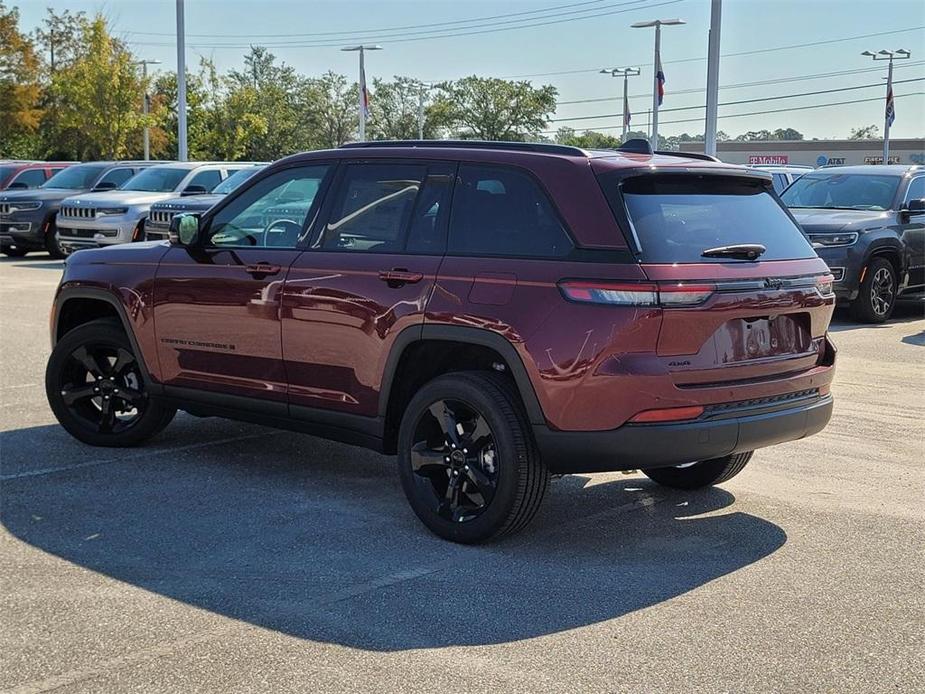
column 889, row 111
column 709, row 133
column 181, row 85
column 147, row 104
column 658, row 77
column 625, row 73
column 364, row 95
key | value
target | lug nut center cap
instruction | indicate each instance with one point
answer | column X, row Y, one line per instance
column 457, row 458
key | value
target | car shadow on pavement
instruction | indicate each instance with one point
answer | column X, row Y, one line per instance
column 905, row 311
column 314, row 539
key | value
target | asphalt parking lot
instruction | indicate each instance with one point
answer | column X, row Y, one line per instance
column 235, row 558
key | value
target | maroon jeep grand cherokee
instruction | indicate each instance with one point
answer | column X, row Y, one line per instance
column 491, row 312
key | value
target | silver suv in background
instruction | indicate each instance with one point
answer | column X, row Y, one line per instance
column 107, row 218
column 783, row 175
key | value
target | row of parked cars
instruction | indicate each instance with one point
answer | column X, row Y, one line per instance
column 866, row 222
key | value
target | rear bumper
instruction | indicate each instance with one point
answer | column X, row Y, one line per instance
column 633, row 447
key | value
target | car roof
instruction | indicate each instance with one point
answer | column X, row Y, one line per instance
column 888, row 170
column 631, row 156
column 38, row 164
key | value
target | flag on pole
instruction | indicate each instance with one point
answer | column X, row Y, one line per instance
column 660, row 78
column 890, row 109
column 626, row 112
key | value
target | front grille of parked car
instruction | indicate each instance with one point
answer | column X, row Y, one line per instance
column 77, row 233
column 160, row 217
column 78, row 212
column 4, row 208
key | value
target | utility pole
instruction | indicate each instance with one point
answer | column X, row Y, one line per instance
column 709, row 134
column 181, row 85
column 147, row 102
column 625, row 73
column 658, row 77
column 889, row 113
column 364, row 94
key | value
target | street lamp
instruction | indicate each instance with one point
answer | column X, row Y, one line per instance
column 364, row 96
column 658, row 75
column 625, row 73
column 144, row 72
column 889, row 112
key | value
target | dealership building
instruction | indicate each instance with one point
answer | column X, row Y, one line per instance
column 815, row 152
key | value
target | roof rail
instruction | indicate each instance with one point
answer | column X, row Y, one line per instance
column 539, row 147
column 687, row 155
column 636, row 146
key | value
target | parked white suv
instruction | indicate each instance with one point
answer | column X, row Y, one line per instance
column 92, row 220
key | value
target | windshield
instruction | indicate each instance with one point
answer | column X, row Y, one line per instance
column 676, row 217
column 841, row 191
column 235, row 179
column 157, row 179
column 79, row 177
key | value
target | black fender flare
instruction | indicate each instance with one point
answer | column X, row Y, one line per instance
column 475, row 336
column 68, row 293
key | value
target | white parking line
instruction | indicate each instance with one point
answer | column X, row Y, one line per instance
column 133, row 456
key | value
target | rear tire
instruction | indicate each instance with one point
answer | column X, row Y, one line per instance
column 877, row 295
column 703, row 474
column 466, row 458
column 96, row 390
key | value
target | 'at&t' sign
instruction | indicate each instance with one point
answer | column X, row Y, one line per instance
column 768, row 159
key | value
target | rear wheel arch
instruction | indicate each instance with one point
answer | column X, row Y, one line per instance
column 422, row 353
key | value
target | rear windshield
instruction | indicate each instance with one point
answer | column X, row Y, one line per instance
column 678, row 217
column 157, row 179
column 840, row 191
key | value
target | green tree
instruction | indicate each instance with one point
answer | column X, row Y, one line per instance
column 394, row 108
column 589, row 139
column 488, row 108
column 330, row 110
column 20, row 88
column 865, row 132
column 100, row 94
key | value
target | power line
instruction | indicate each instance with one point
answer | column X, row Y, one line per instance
column 382, row 39
column 355, row 32
column 727, row 55
column 745, row 101
column 781, row 80
column 757, row 113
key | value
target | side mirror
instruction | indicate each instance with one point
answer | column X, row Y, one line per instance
column 17, row 185
column 184, row 230
column 912, row 208
column 104, row 185
column 194, row 189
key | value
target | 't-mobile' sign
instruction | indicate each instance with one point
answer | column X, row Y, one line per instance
column 768, row 159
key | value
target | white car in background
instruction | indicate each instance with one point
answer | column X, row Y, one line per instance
column 783, row 174
column 92, row 220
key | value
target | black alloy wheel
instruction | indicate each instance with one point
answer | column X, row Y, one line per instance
column 877, row 295
column 96, row 388
column 454, row 458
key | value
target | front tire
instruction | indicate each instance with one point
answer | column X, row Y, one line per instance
column 702, row 474
column 14, row 252
column 53, row 244
column 96, row 390
column 466, row 458
column 877, row 295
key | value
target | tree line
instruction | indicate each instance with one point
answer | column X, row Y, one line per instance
column 71, row 90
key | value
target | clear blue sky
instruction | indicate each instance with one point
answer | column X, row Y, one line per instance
column 602, row 38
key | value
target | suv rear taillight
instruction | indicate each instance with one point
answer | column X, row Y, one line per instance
column 667, row 294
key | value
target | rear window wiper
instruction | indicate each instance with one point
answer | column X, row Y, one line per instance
column 743, row 251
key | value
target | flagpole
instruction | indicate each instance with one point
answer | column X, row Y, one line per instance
column 626, row 105
column 362, row 98
column 656, row 69
column 886, row 112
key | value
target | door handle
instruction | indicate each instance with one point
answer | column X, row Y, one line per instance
column 262, row 269
column 399, row 276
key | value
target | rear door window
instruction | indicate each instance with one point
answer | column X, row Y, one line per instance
column 500, row 211
column 676, row 217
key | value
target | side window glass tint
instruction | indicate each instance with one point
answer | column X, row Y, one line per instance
column 372, row 207
column 916, row 189
column 207, row 179
column 500, row 211
column 117, row 176
column 270, row 213
column 31, row 177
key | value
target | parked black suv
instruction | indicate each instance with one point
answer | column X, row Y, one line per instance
column 27, row 217
column 868, row 224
